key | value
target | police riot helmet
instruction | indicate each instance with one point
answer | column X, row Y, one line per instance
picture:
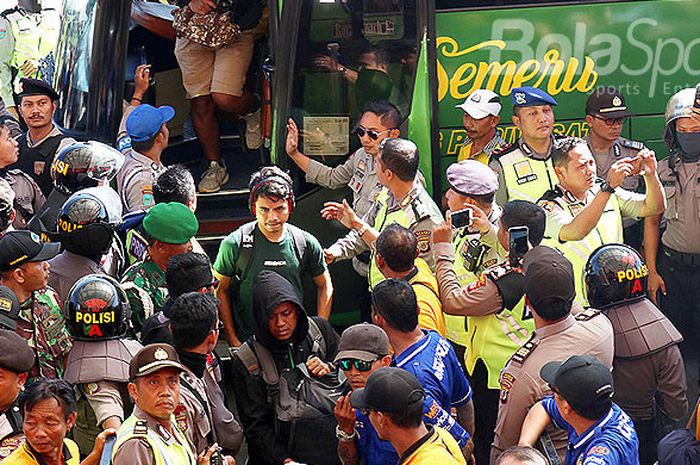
column 615, row 274
column 98, row 309
column 84, row 164
column 680, row 105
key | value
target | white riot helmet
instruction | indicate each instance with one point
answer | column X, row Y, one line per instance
column 8, row 5
column 680, row 105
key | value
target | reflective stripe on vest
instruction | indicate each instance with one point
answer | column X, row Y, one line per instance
column 456, row 326
column 527, row 178
column 163, row 453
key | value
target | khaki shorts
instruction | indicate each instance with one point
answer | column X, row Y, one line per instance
column 205, row 70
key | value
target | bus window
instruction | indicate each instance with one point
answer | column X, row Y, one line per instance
column 463, row 4
column 348, row 54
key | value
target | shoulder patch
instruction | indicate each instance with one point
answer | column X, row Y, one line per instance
column 508, row 148
column 480, row 282
column 587, row 314
column 92, row 388
column 423, row 239
column 498, row 272
column 524, row 352
column 181, row 418
column 507, row 381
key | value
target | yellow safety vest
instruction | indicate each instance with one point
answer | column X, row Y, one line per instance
column 35, row 37
column 526, row 178
column 178, row 453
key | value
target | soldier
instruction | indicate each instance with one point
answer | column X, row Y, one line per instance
column 403, row 200
column 39, row 145
column 582, row 214
column 524, row 168
column 648, row 368
column 550, row 292
column 24, row 269
column 606, row 113
column 16, row 359
column 481, row 116
column 86, row 231
column 28, row 198
column 498, row 322
column 169, row 228
column 98, row 364
column 148, row 129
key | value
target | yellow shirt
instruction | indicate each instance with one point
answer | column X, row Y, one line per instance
column 437, row 447
column 25, row 456
column 425, row 286
column 492, row 146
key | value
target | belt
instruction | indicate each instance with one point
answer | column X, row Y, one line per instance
column 683, row 258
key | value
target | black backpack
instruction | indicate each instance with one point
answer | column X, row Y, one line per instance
column 680, row 447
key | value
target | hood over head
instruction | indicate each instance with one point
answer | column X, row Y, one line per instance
column 269, row 291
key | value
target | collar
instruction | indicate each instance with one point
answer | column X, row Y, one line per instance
column 531, row 152
column 79, row 260
column 143, row 159
column 368, row 159
column 156, row 426
column 412, row 194
column 430, row 435
column 411, row 275
column 30, row 450
column 54, row 132
column 555, row 328
column 590, row 432
column 407, row 355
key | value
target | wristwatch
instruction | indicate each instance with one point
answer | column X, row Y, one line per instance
column 605, row 187
column 343, row 436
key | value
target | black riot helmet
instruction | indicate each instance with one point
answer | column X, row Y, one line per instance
column 84, row 164
column 615, row 274
column 98, row 309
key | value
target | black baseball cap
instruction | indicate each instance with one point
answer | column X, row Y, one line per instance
column 608, row 103
column 549, row 278
column 20, row 247
column 582, row 380
column 363, row 341
column 389, row 389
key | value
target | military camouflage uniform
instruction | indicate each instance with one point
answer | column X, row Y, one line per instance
column 49, row 338
column 144, row 283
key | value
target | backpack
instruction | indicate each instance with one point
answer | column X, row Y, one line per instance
column 680, row 446
column 302, row 402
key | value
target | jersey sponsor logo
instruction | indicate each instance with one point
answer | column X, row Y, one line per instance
column 434, row 411
column 523, row 172
column 600, row 450
column 442, row 349
column 275, row 263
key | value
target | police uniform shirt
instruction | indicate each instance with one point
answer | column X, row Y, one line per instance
column 135, row 181
column 68, row 267
column 28, row 197
column 105, row 400
column 11, row 435
column 612, row 440
column 521, row 384
column 683, row 206
column 621, row 148
column 484, row 156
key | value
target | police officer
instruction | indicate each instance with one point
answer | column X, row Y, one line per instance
column 481, row 116
column 403, row 200
column 648, row 368
column 16, row 359
column 9, row 119
column 86, row 228
column 606, row 112
column 524, row 168
column 98, row 365
column 43, row 140
column 562, row 329
column 170, row 228
column 582, row 214
column 678, row 268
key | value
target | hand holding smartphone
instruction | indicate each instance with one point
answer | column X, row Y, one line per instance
column 518, row 245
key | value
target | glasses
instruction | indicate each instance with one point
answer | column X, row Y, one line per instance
column 360, row 365
column 374, row 135
column 611, row 121
column 214, row 284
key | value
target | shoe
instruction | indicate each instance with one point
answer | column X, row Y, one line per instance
column 253, row 138
column 214, row 178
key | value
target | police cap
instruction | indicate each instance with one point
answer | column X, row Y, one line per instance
column 15, row 354
column 531, row 96
column 471, row 177
column 608, row 103
column 31, row 87
column 152, row 358
column 172, row 223
column 20, row 247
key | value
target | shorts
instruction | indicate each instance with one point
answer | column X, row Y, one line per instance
column 206, row 70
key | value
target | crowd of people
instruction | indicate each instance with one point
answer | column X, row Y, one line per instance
column 537, row 316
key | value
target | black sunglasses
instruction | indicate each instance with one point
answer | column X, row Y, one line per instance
column 611, row 121
column 346, row 363
column 374, row 135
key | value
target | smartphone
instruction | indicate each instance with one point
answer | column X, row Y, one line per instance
column 462, row 218
column 517, row 244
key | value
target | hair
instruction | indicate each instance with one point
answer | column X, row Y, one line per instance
column 593, row 411
column 398, row 247
column 194, row 316
column 562, row 147
column 45, row 389
column 524, row 213
column 270, row 182
column 516, row 111
column 521, row 455
column 380, row 53
column 400, row 156
column 187, row 272
column 483, row 199
column 409, row 417
column 175, row 184
column 551, row 311
column 387, row 112
column 146, row 145
column 395, row 300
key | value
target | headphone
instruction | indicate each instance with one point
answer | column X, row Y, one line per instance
column 290, row 198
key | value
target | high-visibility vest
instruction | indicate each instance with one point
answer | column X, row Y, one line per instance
column 526, row 178
column 178, row 453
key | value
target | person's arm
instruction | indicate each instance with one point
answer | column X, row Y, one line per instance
column 93, row 458
column 672, row 387
column 651, row 248
column 225, row 315
column 465, row 416
column 353, row 243
column 106, row 402
column 655, row 201
column 534, row 425
column 345, row 415
column 324, row 290
column 502, row 192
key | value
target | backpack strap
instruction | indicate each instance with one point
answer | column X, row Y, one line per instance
column 318, row 342
column 245, row 249
column 246, row 355
column 299, row 243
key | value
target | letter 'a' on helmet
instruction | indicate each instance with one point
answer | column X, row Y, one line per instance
column 615, row 274
column 98, row 309
column 84, row 164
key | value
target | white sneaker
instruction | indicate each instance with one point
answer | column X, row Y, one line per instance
column 214, row 178
column 253, row 137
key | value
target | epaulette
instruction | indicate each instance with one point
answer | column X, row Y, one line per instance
column 558, row 135
column 507, row 149
column 551, row 195
column 525, row 350
column 632, row 144
column 587, row 314
column 140, row 428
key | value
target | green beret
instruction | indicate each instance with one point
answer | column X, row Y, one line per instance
column 15, row 354
column 172, row 223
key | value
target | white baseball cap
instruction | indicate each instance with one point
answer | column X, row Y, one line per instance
column 481, row 103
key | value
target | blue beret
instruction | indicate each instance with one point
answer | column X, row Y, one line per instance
column 471, row 177
column 531, row 96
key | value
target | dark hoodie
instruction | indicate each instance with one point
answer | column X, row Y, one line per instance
column 265, row 445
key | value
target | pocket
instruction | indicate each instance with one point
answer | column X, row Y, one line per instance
column 671, row 209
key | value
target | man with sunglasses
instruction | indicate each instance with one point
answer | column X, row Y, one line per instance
column 379, row 120
column 363, row 349
column 606, row 112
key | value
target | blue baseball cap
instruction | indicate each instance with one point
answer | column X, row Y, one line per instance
column 531, row 96
column 146, row 120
